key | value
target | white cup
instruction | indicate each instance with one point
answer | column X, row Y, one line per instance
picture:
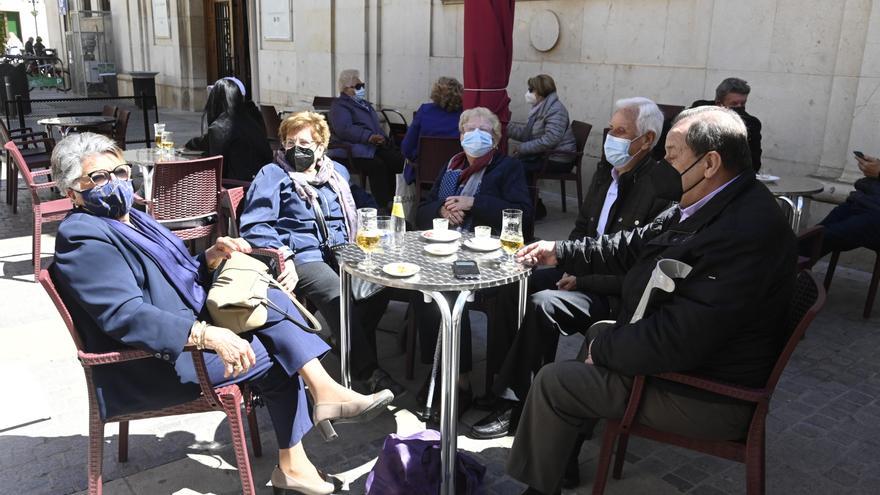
column 441, row 224
column 482, row 232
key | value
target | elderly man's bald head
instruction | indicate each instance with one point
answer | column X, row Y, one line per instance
column 718, row 129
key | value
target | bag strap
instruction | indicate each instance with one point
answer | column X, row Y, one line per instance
column 316, row 325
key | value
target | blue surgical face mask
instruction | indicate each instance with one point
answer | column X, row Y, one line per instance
column 112, row 200
column 360, row 93
column 617, row 150
column 476, row 143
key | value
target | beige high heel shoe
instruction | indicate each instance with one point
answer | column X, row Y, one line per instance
column 282, row 484
column 353, row 411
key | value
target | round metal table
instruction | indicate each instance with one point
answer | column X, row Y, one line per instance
column 794, row 191
column 67, row 124
column 434, row 278
column 146, row 158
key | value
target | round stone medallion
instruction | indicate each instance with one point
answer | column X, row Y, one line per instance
column 544, row 31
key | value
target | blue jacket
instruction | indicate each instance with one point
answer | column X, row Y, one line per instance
column 353, row 123
column 503, row 186
column 117, row 295
column 275, row 216
column 429, row 120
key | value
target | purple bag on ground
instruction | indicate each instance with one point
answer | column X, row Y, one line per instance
column 411, row 466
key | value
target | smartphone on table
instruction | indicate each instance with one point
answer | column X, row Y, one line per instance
column 465, row 269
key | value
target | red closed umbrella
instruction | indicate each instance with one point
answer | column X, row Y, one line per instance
column 488, row 54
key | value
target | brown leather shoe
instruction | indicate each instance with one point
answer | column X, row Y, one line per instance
column 353, row 411
column 282, row 484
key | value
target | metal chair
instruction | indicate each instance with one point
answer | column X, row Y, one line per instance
column 581, row 131
column 44, row 211
column 227, row 399
column 872, row 287
column 184, row 196
column 322, row 104
column 397, row 126
column 120, row 128
column 807, row 300
column 36, row 150
column 434, row 155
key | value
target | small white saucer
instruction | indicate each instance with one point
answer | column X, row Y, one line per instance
column 401, row 269
column 441, row 235
column 442, row 249
column 484, row 245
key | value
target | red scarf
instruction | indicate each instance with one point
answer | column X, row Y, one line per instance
column 459, row 161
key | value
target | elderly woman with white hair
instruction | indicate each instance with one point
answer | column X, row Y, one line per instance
column 473, row 189
column 129, row 282
column 354, row 121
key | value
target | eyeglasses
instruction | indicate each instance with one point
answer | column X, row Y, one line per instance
column 99, row 178
column 358, row 86
column 290, row 143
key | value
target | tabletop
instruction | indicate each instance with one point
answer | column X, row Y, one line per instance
column 435, row 272
column 149, row 156
column 81, row 121
column 794, row 185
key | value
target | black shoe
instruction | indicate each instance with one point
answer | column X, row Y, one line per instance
column 380, row 380
column 497, row 424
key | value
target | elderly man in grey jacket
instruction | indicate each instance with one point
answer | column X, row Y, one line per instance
column 547, row 132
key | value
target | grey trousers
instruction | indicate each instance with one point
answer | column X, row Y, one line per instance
column 568, row 398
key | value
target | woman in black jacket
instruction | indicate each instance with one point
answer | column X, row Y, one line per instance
column 235, row 130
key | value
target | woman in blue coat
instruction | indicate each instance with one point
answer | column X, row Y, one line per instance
column 281, row 212
column 439, row 118
column 129, row 281
column 472, row 190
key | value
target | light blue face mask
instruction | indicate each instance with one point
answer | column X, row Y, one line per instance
column 361, row 93
column 476, row 143
column 617, row 150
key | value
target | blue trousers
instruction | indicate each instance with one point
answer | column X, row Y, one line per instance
column 281, row 348
column 849, row 226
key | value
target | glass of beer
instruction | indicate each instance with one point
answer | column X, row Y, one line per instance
column 158, row 129
column 368, row 236
column 168, row 142
column 511, row 234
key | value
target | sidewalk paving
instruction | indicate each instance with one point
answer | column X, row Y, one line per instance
column 823, row 430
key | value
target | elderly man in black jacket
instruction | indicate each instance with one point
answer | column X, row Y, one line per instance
column 627, row 191
column 723, row 321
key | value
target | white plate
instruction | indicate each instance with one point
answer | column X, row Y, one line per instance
column 486, row 245
column 766, row 177
column 441, row 235
column 444, row 249
column 399, row 269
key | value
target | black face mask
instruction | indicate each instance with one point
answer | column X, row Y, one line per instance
column 301, row 158
column 689, row 169
column 739, row 110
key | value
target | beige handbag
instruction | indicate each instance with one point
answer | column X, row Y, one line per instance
column 238, row 298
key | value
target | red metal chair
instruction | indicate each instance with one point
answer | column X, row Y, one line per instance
column 872, row 287
column 36, row 157
column 581, row 131
column 227, row 399
column 434, row 154
column 808, row 299
column 44, row 211
column 184, row 196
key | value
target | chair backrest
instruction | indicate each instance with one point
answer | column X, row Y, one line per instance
column 397, row 125
column 434, row 154
column 120, row 128
column 581, row 131
column 272, row 121
column 5, row 137
column 670, row 112
column 49, row 286
column 15, row 154
column 187, row 189
column 109, row 111
column 231, row 200
column 322, row 103
column 807, row 299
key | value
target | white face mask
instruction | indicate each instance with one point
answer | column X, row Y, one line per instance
column 531, row 99
column 617, row 150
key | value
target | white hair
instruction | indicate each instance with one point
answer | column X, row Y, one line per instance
column 646, row 114
column 69, row 153
column 347, row 79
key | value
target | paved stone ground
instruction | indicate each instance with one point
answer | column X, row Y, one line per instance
column 824, row 426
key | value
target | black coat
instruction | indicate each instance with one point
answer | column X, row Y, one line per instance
column 753, row 128
column 642, row 193
column 725, row 320
column 242, row 141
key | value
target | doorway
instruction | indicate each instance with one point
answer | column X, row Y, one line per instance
column 226, row 41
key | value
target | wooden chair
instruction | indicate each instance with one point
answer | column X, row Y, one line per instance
column 872, row 287
column 434, row 154
column 36, row 150
column 227, row 399
column 120, row 128
column 44, row 211
column 808, row 299
column 581, row 131
column 109, row 110
column 272, row 121
column 184, row 196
